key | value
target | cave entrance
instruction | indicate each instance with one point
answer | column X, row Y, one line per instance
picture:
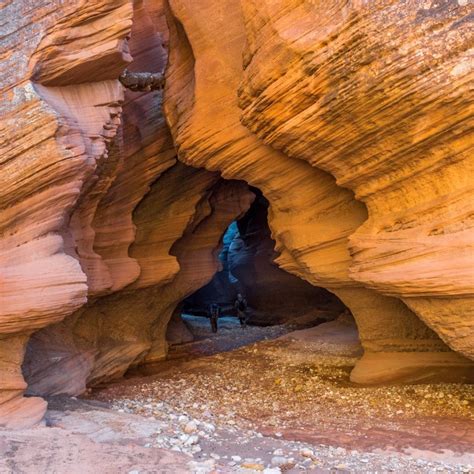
column 271, row 297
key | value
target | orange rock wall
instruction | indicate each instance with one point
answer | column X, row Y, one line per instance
column 379, row 94
column 353, row 118
column 227, row 74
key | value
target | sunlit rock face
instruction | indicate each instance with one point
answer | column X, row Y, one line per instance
column 251, row 92
column 379, row 94
column 56, row 128
column 155, row 250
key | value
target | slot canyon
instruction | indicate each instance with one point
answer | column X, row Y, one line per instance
column 161, row 159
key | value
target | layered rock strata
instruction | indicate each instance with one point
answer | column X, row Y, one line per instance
column 182, row 233
column 311, row 216
column 379, row 94
column 354, row 119
column 56, row 128
column 101, row 340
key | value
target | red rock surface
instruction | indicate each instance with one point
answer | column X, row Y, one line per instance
column 354, row 119
column 312, row 217
column 379, row 94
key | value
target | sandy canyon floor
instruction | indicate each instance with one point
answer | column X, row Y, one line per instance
column 252, row 400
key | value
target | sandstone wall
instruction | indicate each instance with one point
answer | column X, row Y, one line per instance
column 55, row 131
column 353, row 118
column 379, row 94
column 314, row 219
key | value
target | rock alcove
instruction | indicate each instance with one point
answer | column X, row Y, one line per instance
column 355, row 128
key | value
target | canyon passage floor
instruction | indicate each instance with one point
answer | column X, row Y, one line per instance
column 280, row 403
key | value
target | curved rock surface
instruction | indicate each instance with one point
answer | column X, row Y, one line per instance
column 273, row 295
column 353, row 118
column 379, row 94
column 312, row 217
column 55, row 129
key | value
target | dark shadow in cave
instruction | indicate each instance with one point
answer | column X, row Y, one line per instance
column 274, row 297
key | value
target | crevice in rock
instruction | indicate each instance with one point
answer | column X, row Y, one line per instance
column 248, row 267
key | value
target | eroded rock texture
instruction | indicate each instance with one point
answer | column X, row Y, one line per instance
column 379, row 94
column 353, row 118
column 103, row 339
column 273, row 295
column 315, row 221
column 56, row 127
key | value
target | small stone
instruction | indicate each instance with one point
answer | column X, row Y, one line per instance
column 252, row 465
column 190, row 427
column 272, row 470
column 193, row 439
column 278, row 452
column 279, row 461
column 236, row 458
column 306, row 453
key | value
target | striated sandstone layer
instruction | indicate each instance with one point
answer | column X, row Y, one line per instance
column 55, row 131
column 311, row 216
column 101, row 341
column 353, row 118
column 379, row 94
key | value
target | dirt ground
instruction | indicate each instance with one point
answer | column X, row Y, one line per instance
column 283, row 402
column 251, row 400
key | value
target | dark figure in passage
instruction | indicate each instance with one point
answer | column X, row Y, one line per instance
column 241, row 307
column 214, row 313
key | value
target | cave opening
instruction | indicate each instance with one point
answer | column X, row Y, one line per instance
column 249, row 289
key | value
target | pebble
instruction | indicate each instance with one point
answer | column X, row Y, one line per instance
column 181, row 421
column 254, row 466
column 279, row 461
column 190, row 427
column 193, row 439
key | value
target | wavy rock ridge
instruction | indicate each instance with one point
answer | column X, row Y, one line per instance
column 353, row 119
column 313, row 219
